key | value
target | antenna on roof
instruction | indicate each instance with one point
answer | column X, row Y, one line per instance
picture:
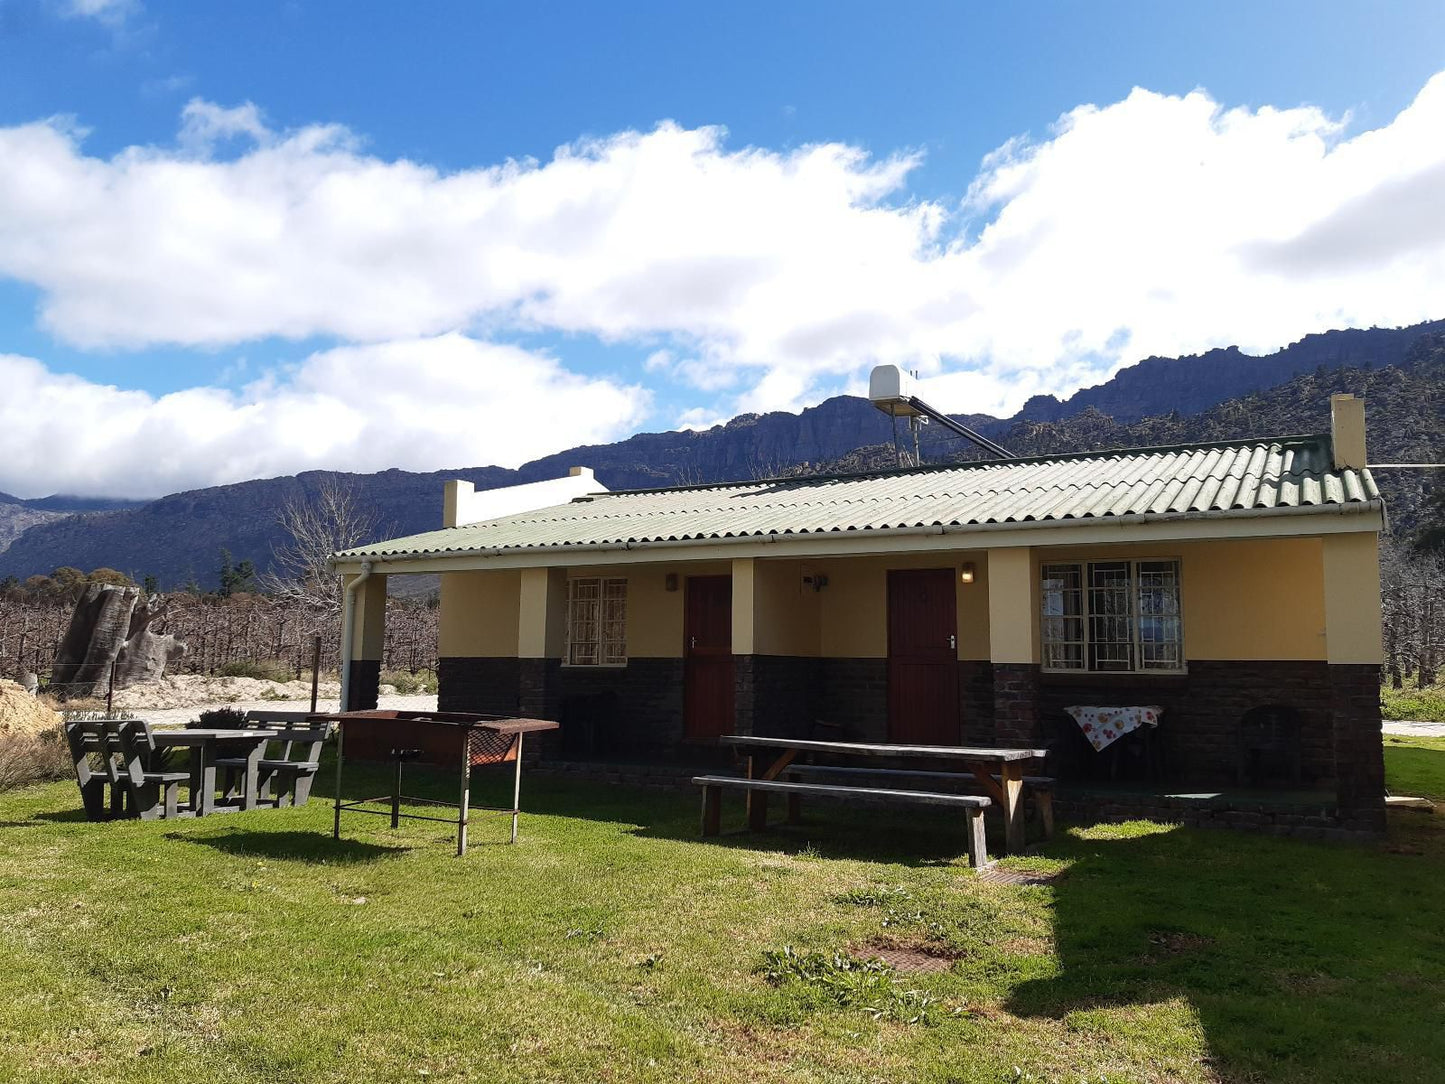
column 891, row 391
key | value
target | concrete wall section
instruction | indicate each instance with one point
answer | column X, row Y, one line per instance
column 479, row 613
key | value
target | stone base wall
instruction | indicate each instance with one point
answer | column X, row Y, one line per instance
column 1198, row 738
column 853, row 694
column 1359, row 751
column 777, row 694
column 489, row 686
column 1016, row 704
column 363, row 683
column 633, row 709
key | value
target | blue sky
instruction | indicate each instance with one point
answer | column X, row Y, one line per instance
column 953, row 223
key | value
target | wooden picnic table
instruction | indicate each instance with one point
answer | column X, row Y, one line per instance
column 204, row 745
column 998, row 770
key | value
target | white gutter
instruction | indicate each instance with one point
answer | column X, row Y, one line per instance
column 1133, row 518
column 348, row 628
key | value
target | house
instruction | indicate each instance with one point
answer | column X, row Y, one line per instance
column 1233, row 584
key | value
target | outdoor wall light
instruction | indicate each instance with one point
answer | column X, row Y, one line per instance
column 965, row 574
column 817, row 581
column 669, row 582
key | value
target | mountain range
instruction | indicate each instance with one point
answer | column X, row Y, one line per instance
column 1217, row 395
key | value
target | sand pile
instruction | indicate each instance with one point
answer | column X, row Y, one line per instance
column 21, row 713
column 198, row 690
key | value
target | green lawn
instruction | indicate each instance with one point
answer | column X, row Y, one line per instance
column 614, row 945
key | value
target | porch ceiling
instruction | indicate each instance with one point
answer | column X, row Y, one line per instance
column 1261, row 477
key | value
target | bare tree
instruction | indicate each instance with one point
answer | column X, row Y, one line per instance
column 1412, row 589
column 333, row 519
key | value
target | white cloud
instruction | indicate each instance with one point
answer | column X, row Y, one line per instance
column 423, row 404
column 112, row 13
column 751, row 279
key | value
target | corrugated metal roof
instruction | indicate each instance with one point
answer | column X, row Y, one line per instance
column 1268, row 475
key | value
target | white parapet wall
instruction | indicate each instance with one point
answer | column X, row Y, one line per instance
column 463, row 503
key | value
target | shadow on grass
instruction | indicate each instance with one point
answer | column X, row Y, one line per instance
column 1302, row 961
column 313, row 847
column 62, row 816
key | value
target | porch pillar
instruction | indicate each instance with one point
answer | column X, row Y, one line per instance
column 744, row 644
column 1353, row 649
column 541, row 637
column 368, row 638
column 1013, row 636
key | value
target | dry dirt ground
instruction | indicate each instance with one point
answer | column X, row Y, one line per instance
column 21, row 713
column 175, row 701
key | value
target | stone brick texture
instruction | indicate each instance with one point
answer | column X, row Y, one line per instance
column 635, row 713
column 363, row 683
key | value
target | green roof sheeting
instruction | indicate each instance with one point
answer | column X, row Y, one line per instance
column 1270, row 475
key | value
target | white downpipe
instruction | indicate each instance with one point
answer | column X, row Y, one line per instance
column 348, row 630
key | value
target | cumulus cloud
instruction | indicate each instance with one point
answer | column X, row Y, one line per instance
column 424, row 404
column 112, row 13
column 749, row 278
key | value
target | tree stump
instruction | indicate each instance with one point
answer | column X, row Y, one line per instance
column 110, row 631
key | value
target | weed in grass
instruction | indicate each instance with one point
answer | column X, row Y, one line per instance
column 808, row 853
column 651, row 962
column 586, row 933
column 850, row 983
column 878, row 896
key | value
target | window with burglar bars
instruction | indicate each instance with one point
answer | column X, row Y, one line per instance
column 1112, row 616
column 596, row 622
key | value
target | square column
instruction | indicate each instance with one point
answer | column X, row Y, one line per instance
column 541, row 640
column 1353, row 649
column 744, row 643
column 1013, row 645
column 368, row 638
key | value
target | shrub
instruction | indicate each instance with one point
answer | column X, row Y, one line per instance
column 218, row 719
column 33, row 758
column 1425, row 705
column 410, row 682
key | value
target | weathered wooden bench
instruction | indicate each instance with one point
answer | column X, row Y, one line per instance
column 152, row 793
column 93, row 753
column 285, row 779
column 713, row 786
column 1039, row 787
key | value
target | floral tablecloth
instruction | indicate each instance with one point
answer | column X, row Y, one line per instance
column 1102, row 726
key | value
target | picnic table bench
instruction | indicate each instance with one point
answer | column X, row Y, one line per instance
column 997, row 772
column 713, row 785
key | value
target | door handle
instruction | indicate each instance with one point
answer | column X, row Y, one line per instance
column 692, row 642
column 953, row 642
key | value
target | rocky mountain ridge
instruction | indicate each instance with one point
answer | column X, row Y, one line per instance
column 178, row 538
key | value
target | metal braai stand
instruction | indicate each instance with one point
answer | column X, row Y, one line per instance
column 440, row 739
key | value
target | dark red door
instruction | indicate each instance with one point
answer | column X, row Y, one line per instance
column 922, row 658
column 708, row 657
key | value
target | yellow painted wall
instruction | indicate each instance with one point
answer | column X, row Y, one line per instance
column 1251, row 599
column 853, row 608
column 368, row 633
column 479, row 613
column 785, row 610
column 1352, row 599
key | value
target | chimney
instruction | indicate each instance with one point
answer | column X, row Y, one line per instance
column 1347, row 431
column 579, row 472
column 454, row 495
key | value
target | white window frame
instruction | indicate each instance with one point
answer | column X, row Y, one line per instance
column 589, row 611
column 1087, row 618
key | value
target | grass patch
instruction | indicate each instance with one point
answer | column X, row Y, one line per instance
column 612, row 944
column 1425, row 705
column 1415, row 766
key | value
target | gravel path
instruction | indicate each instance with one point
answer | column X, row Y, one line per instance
column 181, row 716
column 1417, row 730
